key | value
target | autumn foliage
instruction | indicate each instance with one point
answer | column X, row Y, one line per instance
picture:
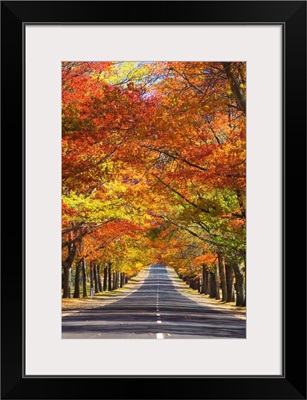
column 154, row 169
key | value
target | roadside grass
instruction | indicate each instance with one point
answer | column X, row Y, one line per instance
column 214, row 301
column 84, row 303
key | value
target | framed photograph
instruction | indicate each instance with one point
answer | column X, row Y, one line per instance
column 161, row 149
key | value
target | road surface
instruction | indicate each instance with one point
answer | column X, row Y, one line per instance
column 157, row 310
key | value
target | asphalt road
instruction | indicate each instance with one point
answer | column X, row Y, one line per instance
column 157, row 310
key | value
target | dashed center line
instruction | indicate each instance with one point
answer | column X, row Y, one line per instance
column 159, row 335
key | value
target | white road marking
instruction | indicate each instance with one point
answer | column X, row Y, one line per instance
column 160, row 336
column 157, row 301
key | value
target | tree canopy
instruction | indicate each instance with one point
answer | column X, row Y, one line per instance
column 154, row 164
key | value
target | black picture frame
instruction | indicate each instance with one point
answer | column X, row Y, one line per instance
column 292, row 16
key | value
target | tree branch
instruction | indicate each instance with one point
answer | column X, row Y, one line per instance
column 181, row 195
column 235, row 87
column 175, row 157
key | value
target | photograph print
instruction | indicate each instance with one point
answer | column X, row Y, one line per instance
column 153, row 200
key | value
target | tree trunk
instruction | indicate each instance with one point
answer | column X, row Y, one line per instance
column 240, row 301
column 207, row 288
column 66, row 282
column 229, row 280
column 217, row 282
column 110, row 277
column 77, row 281
column 84, row 294
column 221, row 263
column 95, row 278
column 66, row 264
column 91, row 276
column 235, row 87
column 121, row 279
column 72, row 250
column 99, row 278
column 203, row 279
column 105, row 279
column 114, row 282
column 212, row 285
